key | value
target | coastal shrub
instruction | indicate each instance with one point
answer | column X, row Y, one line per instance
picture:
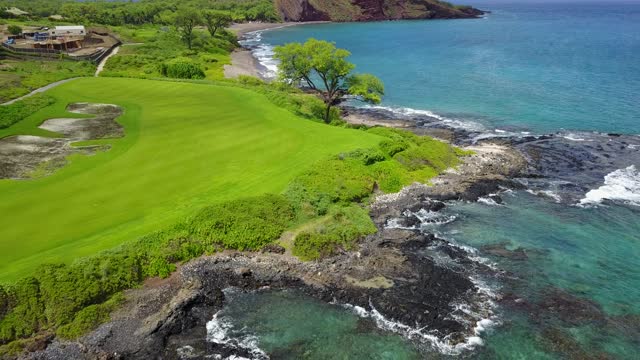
column 66, row 289
column 392, row 147
column 89, row 318
column 160, row 267
column 427, row 152
column 366, row 156
column 16, row 112
column 343, row 227
column 342, row 179
column 243, row 224
column 4, row 302
column 14, row 29
column 26, row 311
column 250, row 80
column 182, row 68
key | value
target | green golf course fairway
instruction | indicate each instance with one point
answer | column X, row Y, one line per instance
column 186, row 146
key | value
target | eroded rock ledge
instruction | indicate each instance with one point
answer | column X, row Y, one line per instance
column 409, row 277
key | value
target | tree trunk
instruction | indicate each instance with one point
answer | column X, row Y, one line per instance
column 327, row 114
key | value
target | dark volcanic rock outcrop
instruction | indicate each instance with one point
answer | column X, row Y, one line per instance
column 371, row 10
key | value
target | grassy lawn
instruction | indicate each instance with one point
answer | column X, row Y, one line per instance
column 186, row 146
column 18, row 78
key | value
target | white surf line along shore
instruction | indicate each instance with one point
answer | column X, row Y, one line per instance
column 40, row 90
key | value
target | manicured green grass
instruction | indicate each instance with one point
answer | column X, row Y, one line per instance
column 186, row 146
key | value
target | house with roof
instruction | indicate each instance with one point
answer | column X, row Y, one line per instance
column 68, row 31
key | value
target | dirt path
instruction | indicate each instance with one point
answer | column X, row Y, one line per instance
column 104, row 61
column 40, row 90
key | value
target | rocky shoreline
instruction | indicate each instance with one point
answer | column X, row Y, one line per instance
column 398, row 274
column 401, row 276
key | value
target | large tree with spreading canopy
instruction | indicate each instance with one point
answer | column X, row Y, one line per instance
column 323, row 68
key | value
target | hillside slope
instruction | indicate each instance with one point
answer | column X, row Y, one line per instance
column 371, row 10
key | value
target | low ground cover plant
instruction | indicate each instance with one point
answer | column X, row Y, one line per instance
column 12, row 114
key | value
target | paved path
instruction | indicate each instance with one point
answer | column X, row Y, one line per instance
column 40, row 90
column 104, row 61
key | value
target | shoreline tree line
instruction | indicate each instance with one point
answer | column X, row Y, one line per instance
column 156, row 12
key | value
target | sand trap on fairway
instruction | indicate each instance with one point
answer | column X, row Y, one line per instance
column 25, row 156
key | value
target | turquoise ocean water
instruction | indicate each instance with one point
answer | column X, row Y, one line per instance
column 539, row 67
column 570, row 273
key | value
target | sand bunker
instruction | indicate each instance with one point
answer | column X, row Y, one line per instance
column 24, row 156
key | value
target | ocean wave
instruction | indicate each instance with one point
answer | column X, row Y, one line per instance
column 498, row 133
column 479, row 316
column 574, row 137
column 621, row 185
column 220, row 331
column 446, row 121
column 262, row 52
column 546, row 193
column 425, row 217
column 487, row 200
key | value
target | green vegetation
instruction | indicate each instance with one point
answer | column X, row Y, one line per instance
column 341, row 229
column 186, row 21
column 118, row 13
column 186, row 146
column 202, row 164
column 202, row 167
column 182, row 68
column 216, row 20
column 321, row 62
column 19, row 110
column 18, row 78
column 163, row 46
column 14, row 29
column 333, row 185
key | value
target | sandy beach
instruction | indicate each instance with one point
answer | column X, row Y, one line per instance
column 242, row 61
column 243, row 28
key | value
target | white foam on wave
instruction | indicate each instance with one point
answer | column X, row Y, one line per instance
column 546, row 193
column 480, row 316
column 219, row 331
column 487, row 200
column 262, row 52
column 621, row 185
column 431, row 217
column 574, row 137
column 426, row 218
column 497, row 133
column 453, row 123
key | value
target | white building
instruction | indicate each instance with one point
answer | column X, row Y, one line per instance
column 68, row 31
